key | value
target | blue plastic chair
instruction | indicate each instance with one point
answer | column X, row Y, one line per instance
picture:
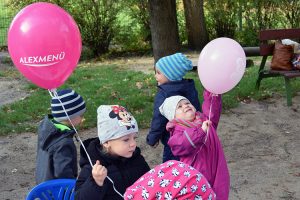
column 56, row 189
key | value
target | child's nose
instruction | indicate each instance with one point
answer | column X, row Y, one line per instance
column 133, row 143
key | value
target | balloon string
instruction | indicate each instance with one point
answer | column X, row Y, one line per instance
column 53, row 93
column 209, row 114
column 206, row 135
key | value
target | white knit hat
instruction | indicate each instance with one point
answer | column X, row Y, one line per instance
column 168, row 108
column 114, row 121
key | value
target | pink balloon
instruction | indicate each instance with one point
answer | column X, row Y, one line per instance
column 221, row 65
column 44, row 43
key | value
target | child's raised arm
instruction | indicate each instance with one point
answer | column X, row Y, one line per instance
column 215, row 102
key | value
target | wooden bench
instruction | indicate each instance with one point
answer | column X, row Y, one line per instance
column 266, row 49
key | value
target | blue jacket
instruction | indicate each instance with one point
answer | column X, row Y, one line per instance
column 186, row 88
column 56, row 152
column 123, row 171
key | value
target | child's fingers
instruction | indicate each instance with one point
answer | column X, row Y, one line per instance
column 98, row 169
column 103, row 171
column 205, row 125
column 97, row 166
column 156, row 144
column 213, row 94
column 97, row 162
column 207, row 122
column 210, row 93
column 99, row 173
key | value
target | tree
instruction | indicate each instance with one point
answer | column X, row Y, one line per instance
column 223, row 15
column 195, row 24
column 292, row 12
column 140, row 11
column 164, row 29
column 95, row 20
column 132, row 27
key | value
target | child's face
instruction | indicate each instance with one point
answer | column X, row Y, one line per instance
column 185, row 110
column 123, row 146
column 160, row 77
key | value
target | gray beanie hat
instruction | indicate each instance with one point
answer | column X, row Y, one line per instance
column 114, row 121
column 168, row 108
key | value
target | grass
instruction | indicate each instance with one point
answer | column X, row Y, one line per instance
column 109, row 84
column 97, row 84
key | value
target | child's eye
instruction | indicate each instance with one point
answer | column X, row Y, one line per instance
column 126, row 140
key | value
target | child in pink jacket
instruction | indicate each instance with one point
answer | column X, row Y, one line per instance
column 194, row 139
column 171, row 180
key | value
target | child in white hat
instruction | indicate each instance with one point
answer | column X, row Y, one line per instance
column 169, row 74
column 115, row 156
column 194, row 138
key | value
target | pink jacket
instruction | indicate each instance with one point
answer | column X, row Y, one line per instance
column 171, row 180
column 203, row 153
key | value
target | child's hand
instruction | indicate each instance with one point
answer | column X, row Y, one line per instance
column 205, row 125
column 208, row 93
column 155, row 145
column 99, row 173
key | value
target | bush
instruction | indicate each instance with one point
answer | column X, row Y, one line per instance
column 86, row 54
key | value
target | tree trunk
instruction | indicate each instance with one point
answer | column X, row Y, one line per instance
column 164, row 29
column 195, row 24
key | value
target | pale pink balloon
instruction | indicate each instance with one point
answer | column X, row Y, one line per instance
column 44, row 43
column 221, row 65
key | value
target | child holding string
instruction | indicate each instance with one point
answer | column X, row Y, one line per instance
column 194, row 138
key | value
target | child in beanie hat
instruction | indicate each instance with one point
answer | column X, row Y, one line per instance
column 171, row 180
column 174, row 67
column 194, row 139
column 67, row 100
column 56, row 151
column 114, row 122
column 114, row 154
column 169, row 73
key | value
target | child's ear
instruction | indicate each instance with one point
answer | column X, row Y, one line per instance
column 106, row 145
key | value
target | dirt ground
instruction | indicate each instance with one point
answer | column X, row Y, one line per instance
column 261, row 141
